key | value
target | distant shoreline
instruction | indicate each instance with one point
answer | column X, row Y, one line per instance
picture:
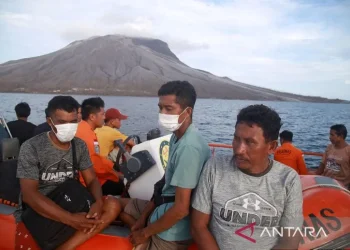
column 123, row 94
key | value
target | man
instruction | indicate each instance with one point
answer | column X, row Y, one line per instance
column 43, row 127
column 45, row 162
column 289, row 155
column 93, row 116
column 22, row 129
column 168, row 222
column 336, row 159
column 109, row 132
column 238, row 197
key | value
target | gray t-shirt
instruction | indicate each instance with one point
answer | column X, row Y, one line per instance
column 40, row 159
column 236, row 200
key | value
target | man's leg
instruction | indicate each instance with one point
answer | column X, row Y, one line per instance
column 132, row 210
column 157, row 243
column 111, row 209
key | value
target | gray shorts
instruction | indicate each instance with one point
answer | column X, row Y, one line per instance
column 135, row 208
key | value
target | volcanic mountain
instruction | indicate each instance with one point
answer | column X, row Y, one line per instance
column 120, row 65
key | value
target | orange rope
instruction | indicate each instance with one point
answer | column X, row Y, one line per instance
column 218, row 145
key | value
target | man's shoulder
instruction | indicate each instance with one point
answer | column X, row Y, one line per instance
column 283, row 171
column 31, row 125
column 79, row 142
column 195, row 139
column 38, row 141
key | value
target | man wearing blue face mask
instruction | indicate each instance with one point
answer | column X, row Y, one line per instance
column 163, row 222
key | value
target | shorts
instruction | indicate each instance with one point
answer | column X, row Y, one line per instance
column 135, row 208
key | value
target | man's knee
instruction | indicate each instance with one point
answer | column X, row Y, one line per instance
column 112, row 207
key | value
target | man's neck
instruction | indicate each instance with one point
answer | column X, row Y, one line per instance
column 182, row 130
column 63, row 145
column 23, row 118
column 340, row 145
column 92, row 125
column 258, row 170
column 109, row 125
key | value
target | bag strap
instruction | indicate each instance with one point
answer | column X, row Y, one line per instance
column 75, row 162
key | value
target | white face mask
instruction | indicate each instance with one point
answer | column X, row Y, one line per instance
column 170, row 122
column 65, row 132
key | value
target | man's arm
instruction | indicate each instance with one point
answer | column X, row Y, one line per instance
column 178, row 211
column 92, row 184
column 202, row 208
column 200, row 231
column 40, row 203
column 188, row 166
column 292, row 217
column 301, row 165
column 322, row 166
column 290, row 240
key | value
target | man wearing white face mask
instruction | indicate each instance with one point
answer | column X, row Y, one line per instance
column 163, row 222
column 49, row 163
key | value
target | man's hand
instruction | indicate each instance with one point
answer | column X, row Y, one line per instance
column 138, row 237
column 140, row 224
column 95, row 210
column 81, row 223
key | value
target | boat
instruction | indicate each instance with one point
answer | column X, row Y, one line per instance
column 326, row 202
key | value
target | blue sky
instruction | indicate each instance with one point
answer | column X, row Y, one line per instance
column 301, row 47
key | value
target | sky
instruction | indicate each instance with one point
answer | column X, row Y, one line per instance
column 301, row 47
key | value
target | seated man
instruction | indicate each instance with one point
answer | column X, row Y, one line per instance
column 167, row 215
column 21, row 128
column 290, row 155
column 336, row 160
column 110, row 133
column 43, row 127
column 93, row 116
column 45, row 162
column 241, row 195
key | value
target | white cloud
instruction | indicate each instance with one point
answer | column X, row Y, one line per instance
column 274, row 43
column 347, row 82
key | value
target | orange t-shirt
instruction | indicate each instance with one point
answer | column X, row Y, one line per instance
column 292, row 157
column 102, row 166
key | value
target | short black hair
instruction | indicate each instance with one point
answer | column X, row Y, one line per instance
column 22, row 110
column 185, row 93
column 340, row 130
column 264, row 117
column 286, row 135
column 66, row 103
column 47, row 112
column 91, row 106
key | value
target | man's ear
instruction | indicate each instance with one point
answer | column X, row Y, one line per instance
column 189, row 111
column 272, row 147
column 49, row 121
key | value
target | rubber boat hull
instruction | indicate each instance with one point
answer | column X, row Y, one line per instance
column 326, row 205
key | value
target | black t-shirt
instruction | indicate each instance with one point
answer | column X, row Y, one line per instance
column 41, row 128
column 22, row 130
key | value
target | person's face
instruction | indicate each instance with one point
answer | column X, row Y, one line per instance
column 334, row 138
column 250, row 147
column 61, row 117
column 168, row 105
column 98, row 118
column 79, row 114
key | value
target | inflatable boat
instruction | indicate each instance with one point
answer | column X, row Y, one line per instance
column 326, row 202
